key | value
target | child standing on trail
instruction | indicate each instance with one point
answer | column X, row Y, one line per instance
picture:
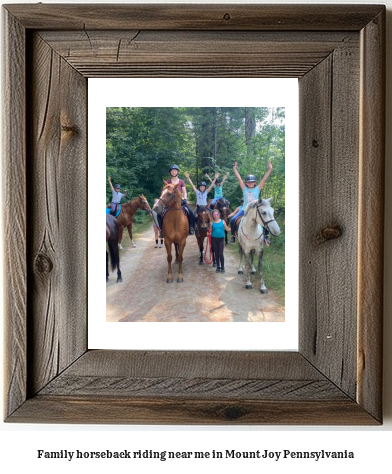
column 116, row 196
column 217, row 240
column 156, row 228
column 218, row 188
column 250, row 193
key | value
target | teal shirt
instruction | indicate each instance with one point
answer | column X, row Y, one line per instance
column 218, row 229
column 250, row 195
column 218, row 191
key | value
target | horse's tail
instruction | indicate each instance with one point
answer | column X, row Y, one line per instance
column 114, row 256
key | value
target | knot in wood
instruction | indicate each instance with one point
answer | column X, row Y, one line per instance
column 315, row 143
column 69, row 128
column 328, row 233
column 227, row 16
column 232, row 413
column 43, row 264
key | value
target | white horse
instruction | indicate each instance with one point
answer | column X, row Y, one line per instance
column 250, row 236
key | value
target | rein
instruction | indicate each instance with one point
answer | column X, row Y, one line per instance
column 208, row 244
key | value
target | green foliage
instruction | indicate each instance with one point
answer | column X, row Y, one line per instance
column 142, row 143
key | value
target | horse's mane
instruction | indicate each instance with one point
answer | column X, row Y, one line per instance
column 253, row 204
column 171, row 185
column 201, row 208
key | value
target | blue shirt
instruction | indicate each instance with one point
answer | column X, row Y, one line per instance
column 218, row 229
column 250, row 195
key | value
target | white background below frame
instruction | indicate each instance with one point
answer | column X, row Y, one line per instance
column 188, row 92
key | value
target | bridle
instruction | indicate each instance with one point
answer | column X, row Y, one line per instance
column 265, row 224
column 167, row 204
column 202, row 221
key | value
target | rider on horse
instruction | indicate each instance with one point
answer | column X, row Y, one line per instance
column 218, row 188
column 250, row 193
column 201, row 193
column 174, row 171
column 116, row 197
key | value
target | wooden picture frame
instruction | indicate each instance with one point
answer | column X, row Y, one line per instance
column 338, row 54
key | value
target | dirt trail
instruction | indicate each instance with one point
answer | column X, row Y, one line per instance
column 204, row 296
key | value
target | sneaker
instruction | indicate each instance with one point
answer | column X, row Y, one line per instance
column 214, row 264
column 222, row 270
column 267, row 241
column 218, row 270
column 156, row 246
column 160, row 246
column 232, row 240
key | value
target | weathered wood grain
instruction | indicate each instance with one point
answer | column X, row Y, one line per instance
column 57, row 215
column 194, row 17
column 371, row 216
column 14, row 224
column 194, row 53
column 329, row 167
column 118, row 410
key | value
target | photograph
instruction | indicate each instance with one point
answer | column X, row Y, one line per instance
column 195, row 214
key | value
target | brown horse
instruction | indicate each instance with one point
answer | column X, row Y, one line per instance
column 128, row 210
column 175, row 227
column 112, row 235
column 203, row 224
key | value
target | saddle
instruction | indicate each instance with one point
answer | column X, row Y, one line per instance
column 117, row 213
column 237, row 223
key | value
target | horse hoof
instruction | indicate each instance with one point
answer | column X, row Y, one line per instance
column 249, row 287
column 240, row 272
column 180, row 280
column 214, row 264
column 169, row 280
column 264, row 292
column 253, row 272
column 201, row 263
column 119, row 280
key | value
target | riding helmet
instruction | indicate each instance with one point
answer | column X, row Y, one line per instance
column 202, row 183
column 251, row 178
column 218, row 180
column 117, row 186
column 174, row 167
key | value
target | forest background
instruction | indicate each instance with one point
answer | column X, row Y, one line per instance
column 143, row 142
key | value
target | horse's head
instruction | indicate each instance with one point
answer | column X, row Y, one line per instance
column 203, row 218
column 170, row 198
column 224, row 208
column 143, row 204
column 264, row 215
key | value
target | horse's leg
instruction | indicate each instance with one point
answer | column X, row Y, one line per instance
column 119, row 277
column 130, row 234
column 240, row 267
column 252, row 258
column 120, row 236
column 169, row 260
column 176, row 248
column 263, row 288
column 181, row 247
column 200, row 241
column 107, row 266
column 248, row 266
